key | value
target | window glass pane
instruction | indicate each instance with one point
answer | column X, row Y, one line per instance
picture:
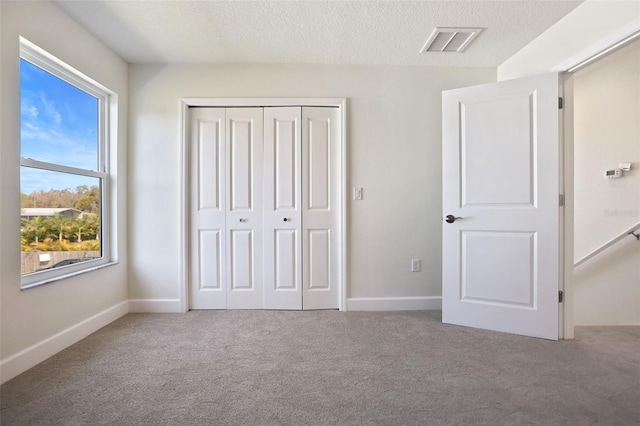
column 60, row 219
column 59, row 122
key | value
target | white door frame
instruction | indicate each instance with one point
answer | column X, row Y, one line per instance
column 185, row 103
column 566, row 311
column 588, row 55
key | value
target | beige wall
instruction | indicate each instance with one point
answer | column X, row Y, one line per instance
column 393, row 149
column 606, row 133
column 32, row 319
column 583, row 32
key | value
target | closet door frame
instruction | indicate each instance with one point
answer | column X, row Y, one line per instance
column 185, row 104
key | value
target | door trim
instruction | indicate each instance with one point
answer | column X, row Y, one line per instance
column 185, row 103
column 567, row 324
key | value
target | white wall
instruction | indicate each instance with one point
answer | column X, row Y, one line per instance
column 394, row 153
column 607, row 287
column 38, row 322
column 586, row 30
column 607, row 132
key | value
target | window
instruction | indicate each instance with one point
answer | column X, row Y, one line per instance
column 64, row 175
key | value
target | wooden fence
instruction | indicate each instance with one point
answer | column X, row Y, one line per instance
column 35, row 260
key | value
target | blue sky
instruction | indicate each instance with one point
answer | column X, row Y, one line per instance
column 59, row 124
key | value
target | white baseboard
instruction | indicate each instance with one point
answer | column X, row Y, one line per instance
column 22, row 361
column 155, row 306
column 394, row 303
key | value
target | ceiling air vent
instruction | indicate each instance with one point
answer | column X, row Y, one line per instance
column 451, row 40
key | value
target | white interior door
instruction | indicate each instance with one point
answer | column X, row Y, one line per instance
column 501, row 175
column 321, row 207
column 244, row 156
column 207, row 208
column 282, row 209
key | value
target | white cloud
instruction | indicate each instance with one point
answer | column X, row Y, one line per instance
column 50, row 109
column 26, row 107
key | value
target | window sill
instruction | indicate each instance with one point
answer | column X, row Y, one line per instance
column 65, row 276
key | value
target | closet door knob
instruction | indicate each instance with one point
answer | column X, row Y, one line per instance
column 243, row 219
column 286, row 219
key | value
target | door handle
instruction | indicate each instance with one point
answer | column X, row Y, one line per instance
column 451, row 218
column 243, row 220
column 286, row 219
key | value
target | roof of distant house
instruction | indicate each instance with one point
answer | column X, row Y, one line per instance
column 46, row 211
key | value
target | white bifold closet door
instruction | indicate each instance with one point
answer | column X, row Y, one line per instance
column 244, row 129
column 264, row 208
column 321, row 207
column 226, row 208
column 207, row 208
column 282, row 208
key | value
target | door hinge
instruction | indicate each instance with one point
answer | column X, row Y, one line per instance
column 560, row 296
column 560, row 103
column 561, row 200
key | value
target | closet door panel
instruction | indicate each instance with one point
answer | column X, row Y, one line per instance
column 285, row 258
column 241, row 161
column 321, row 207
column 319, row 163
column 244, row 213
column 282, row 209
column 319, row 253
column 242, row 260
column 206, row 147
column 209, row 273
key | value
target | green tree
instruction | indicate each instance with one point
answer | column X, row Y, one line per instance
column 89, row 199
column 83, row 225
column 94, row 226
column 34, row 229
column 58, row 226
column 85, row 198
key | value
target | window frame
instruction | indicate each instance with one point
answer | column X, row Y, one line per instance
column 54, row 66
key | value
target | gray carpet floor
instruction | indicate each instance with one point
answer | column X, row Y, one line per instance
column 327, row 367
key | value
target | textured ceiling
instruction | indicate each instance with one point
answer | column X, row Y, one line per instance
column 311, row 32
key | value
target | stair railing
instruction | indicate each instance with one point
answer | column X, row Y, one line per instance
column 621, row 236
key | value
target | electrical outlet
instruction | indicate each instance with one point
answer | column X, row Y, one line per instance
column 357, row 194
column 415, row 265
